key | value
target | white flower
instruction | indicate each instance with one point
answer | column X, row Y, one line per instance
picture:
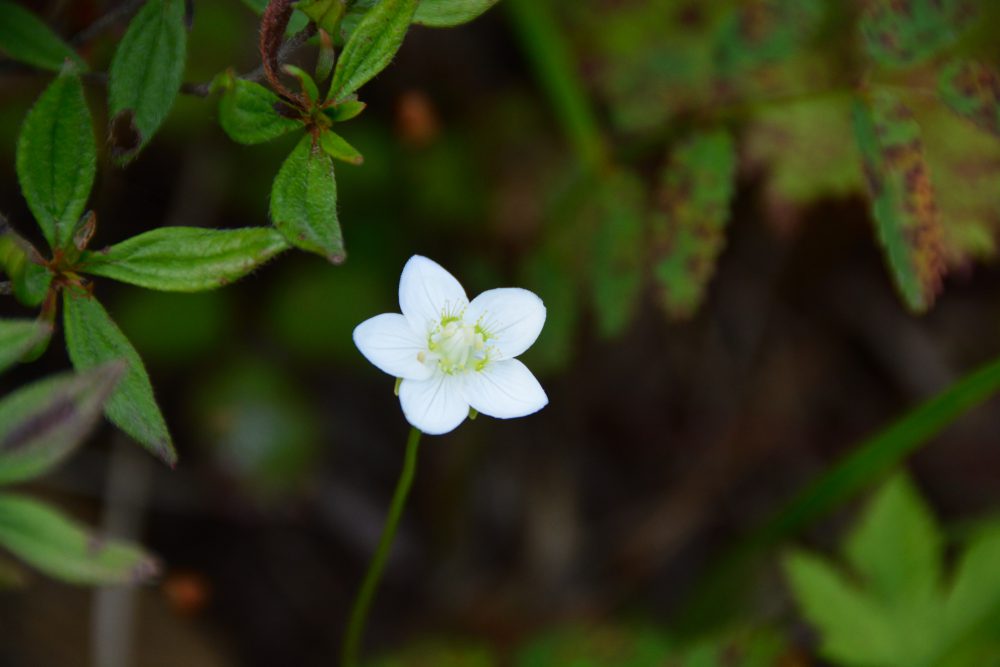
column 453, row 354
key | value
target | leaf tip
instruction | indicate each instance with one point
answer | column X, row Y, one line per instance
column 124, row 136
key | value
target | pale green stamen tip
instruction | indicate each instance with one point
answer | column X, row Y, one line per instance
column 473, row 413
column 399, row 381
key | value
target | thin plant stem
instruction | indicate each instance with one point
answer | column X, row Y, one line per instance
column 363, row 602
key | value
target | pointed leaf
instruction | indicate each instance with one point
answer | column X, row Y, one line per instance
column 57, row 157
column 146, row 74
column 63, row 549
column 186, row 259
column 41, row 424
column 25, row 38
column 18, row 338
column 903, row 201
column 336, row 147
column 617, row 270
column 371, row 46
column 448, row 13
column 975, row 595
column 346, row 110
column 900, row 33
column 689, row 229
column 896, row 546
column 19, row 261
column 306, row 82
column 304, row 202
column 248, row 113
column 93, row 339
column 972, row 90
column 852, row 627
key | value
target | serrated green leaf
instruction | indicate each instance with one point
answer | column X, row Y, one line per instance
column 18, row 338
column 57, row 157
column 146, row 74
column 247, row 113
column 896, row 547
column 900, row 33
column 972, row 90
column 618, row 251
column 903, row 199
column 689, row 229
column 853, row 629
column 371, row 46
column 63, row 549
column 26, row 38
column 19, row 261
column 186, row 259
column 41, row 424
column 448, row 13
column 304, row 202
column 336, row 147
column 93, row 339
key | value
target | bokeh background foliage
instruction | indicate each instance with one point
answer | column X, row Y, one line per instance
column 763, row 231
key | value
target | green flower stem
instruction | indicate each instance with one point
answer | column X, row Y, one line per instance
column 359, row 613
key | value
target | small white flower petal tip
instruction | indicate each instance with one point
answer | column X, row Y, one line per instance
column 453, row 356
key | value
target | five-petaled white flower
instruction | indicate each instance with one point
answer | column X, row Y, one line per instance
column 451, row 353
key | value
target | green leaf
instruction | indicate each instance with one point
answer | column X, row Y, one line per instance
column 63, row 549
column 597, row 646
column 371, row 46
column 186, row 259
column 146, row 74
column 248, row 113
column 896, row 546
column 25, row 38
column 972, row 90
column 304, row 202
column 689, row 230
column 974, row 598
column 41, row 424
column 617, row 270
column 326, row 14
column 93, row 339
column 18, row 338
column 346, row 110
column 853, row 629
column 336, row 147
column 306, row 82
column 20, row 262
column 900, row 33
column 757, row 34
column 903, row 199
column 448, row 13
column 57, row 158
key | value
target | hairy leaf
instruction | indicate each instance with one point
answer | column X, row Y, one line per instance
column 336, row 147
column 901, row 33
column 20, row 262
column 896, row 546
column 93, row 339
column 18, row 338
column 26, row 38
column 186, row 259
column 371, row 46
column 63, row 549
column 448, row 13
column 304, row 202
column 617, row 270
column 248, row 113
column 688, row 230
column 972, row 90
column 903, row 200
column 41, row 424
column 853, row 629
column 146, row 74
column 57, row 157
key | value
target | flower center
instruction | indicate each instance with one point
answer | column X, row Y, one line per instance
column 457, row 346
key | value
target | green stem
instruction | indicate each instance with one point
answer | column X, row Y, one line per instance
column 359, row 613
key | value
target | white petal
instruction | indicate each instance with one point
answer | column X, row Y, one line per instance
column 434, row 406
column 426, row 291
column 513, row 315
column 505, row 389
column 388, row 342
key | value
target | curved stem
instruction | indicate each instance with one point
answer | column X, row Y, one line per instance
column 363, row 602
